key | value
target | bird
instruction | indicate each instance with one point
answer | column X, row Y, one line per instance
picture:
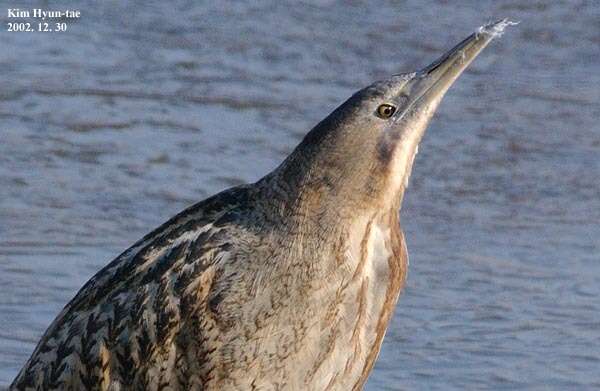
column 288, row 283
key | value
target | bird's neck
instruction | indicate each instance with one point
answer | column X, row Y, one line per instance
column 309, row 206
column 300, row 193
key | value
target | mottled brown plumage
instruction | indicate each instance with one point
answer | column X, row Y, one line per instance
column 285, row 284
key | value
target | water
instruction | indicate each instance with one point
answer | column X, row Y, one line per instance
column 136, row 112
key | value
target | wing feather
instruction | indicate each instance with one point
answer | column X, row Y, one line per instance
column 129, row 325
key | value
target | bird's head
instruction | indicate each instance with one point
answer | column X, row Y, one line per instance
column 361, row 155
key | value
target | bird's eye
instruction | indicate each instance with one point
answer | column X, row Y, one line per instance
column 386, row 110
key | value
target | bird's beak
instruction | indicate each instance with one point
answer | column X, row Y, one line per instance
column 431, row 83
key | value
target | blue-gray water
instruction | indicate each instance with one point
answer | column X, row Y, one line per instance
column 135, row 112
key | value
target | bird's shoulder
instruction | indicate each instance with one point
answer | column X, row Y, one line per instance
column 149, row 291
column 178, row 250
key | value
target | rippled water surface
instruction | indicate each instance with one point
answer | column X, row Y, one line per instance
column 136, row 112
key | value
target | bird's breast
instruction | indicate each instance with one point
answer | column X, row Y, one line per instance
column 359, row 302
column 317, row 322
